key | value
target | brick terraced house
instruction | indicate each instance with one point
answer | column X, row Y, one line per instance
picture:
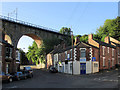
column 86, row 58
column 10, row 56
column 107, row 52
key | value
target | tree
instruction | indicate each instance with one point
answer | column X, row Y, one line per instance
column 67, row 31
column 23, row 58
column 36, row 54
column 84, row 38
column 110, row 28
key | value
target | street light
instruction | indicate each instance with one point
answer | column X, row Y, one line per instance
column 72, row 50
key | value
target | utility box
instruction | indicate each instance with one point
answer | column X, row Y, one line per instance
column 95, row 66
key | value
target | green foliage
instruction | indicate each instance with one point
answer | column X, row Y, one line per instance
column 23, row 58
column 84, row 38
column 50, row 43
column 110, row 28
column 34, row 53
column 65, row 30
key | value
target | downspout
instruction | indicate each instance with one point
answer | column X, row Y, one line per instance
column 99, row 57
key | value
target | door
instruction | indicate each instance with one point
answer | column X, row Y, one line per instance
column 82, row 68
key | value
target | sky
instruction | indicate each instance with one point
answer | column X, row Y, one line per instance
column 81, row 17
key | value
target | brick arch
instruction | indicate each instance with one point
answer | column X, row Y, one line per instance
column 36, row 38
column 8, row 39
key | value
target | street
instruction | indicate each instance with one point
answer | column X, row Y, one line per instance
column 44, row 79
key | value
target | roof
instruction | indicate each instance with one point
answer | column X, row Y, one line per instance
column 116, row 44
column 80, row 44
column 85, row 44
column 105, row 44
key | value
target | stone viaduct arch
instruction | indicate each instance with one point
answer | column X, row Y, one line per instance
column 15, row 30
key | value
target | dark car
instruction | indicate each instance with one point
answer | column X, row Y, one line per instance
column 6, row 77
column 53, row 69
column 28, row 71
column 19, row 76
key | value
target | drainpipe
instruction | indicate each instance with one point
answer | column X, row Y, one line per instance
column 99, row 57
column 72, row 52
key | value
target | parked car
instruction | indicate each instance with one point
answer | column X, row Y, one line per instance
column 53, row 69
column 6, row 77
column 19, row 76
column 28, row 71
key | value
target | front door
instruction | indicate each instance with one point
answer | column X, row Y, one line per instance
column 82, row 68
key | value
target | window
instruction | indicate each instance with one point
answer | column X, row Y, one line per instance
column 95, row 65
column 55, row 57
column 0, row 67
column 118, row 50
column 118, row 60
column 71, row 67
column 112, row 52
column 7, row 68
column 0, row 50
column 82, row 53
column 71, row 53
column 18, row 55
column 59, row 56
column 68, row 56
column 108, row 49
column 10, row 52
column 103, row 50
column 55, row 60
column 112, row 61
column 103, row 61
column 65, row 55
column 7, row 52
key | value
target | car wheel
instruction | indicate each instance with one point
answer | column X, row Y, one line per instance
column 25, row 77
column 31, row 75
column 10, row 79
column 18, row 78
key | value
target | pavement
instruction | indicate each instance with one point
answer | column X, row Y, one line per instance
column 44, row 79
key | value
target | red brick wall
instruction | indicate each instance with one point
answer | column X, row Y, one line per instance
column 117, row 54
column 96, row 53
column 12, row 67
column 3, row 59
column 108, row 56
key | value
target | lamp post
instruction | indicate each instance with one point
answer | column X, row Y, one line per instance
column 72, row 50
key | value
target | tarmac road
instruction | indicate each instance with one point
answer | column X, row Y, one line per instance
column 44, row 79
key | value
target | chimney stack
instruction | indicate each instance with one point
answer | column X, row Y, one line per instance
column 90, row 36
column 77, row 40
column 107, row 40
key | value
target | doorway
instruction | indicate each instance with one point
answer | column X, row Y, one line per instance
column 82, row 68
